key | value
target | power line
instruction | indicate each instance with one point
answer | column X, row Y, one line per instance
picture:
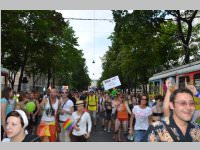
column 89, row 19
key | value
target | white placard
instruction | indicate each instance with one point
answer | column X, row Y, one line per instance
column 111, row 83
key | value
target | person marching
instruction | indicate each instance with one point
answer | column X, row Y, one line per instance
column 92, row 106
column 122, row 116
column 83, row 125
column 142, row 114
column 65, row 112
column 101, row 109
column 107, row 104
column 157, row 109
column 47, row 128
column 7, row 105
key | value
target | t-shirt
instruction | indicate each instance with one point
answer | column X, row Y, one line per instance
column 84, row 124
column 10, row 106
column 114, row 93
column 66, row 106
column 141, row 117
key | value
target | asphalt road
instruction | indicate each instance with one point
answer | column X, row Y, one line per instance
column 99, row 135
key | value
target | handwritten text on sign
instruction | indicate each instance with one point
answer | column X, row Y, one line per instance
column 111, row 83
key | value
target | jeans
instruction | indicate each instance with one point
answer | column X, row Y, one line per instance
column 139, row 135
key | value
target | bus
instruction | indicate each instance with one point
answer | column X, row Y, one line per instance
column 189, row 72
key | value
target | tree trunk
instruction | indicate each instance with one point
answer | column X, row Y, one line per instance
column 12, row 76
column 20, row 78
column 186, row 40
column 33, row 81
column 49, row 77
column 22, row 70
column 143, row 88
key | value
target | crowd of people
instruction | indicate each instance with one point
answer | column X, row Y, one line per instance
column 71, row 116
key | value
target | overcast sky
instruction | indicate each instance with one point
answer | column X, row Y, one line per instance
column 92, row 36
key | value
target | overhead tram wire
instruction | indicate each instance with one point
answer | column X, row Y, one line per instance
column 90, row 19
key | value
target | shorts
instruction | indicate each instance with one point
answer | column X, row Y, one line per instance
column 102, row 115
column 122, row 119
column 46, row 129
column 108, row 114
column 93, row 114
column 139, row 135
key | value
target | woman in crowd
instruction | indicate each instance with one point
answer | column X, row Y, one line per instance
column 101, row 108
column 16, row 122
column 157, row 111
column 122, row 116
column 83, row 125
column 65, row 112
column 142, row 114
column 33, row 116
column 115, row 103
column 22, row 101
column 7, row 105
column 108, row 108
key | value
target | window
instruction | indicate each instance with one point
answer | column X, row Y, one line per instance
column 151, row 88
column 157, row 87
column 197, row 81
column 182, row 81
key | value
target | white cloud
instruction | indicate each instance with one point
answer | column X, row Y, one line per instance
column 92, row 36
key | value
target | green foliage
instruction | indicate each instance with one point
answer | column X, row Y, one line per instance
column 144, row 42
column 41, row 42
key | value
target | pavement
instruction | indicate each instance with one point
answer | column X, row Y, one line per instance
column 99, row 135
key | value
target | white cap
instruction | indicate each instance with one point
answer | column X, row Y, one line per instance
column 24, row 117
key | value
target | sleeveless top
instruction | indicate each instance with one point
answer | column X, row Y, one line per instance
column 48, row 114
column 108, row 104
column 123, row 113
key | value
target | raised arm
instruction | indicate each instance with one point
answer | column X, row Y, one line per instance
column 166, row 108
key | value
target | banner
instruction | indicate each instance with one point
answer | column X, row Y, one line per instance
column 111, row 83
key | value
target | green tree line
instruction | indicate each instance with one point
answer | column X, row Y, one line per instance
column 145, row 42
column 41, row 42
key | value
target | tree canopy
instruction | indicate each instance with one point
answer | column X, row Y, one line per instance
column 145, row 42
column 42, row 43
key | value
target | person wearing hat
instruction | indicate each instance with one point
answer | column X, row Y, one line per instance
column 16, row 122
column 83, row 124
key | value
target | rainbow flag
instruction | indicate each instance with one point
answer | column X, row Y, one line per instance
column 69, row 124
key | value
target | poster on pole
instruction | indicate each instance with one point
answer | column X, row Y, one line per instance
column 111, row 83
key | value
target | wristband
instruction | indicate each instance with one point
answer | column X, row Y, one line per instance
column 197, row 95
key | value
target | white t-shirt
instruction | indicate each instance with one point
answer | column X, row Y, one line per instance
column 141, row 117
column 47, row 116
column 66, row 106
column 85, row 120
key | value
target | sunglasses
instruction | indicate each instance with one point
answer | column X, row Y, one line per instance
column 184, row 103
column 64, row 93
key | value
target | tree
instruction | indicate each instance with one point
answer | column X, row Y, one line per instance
column 184, row 34
column 43, row 43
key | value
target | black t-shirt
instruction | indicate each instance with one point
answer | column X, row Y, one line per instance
column 31, row 138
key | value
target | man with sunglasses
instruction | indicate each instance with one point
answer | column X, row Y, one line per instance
column 176, row 128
